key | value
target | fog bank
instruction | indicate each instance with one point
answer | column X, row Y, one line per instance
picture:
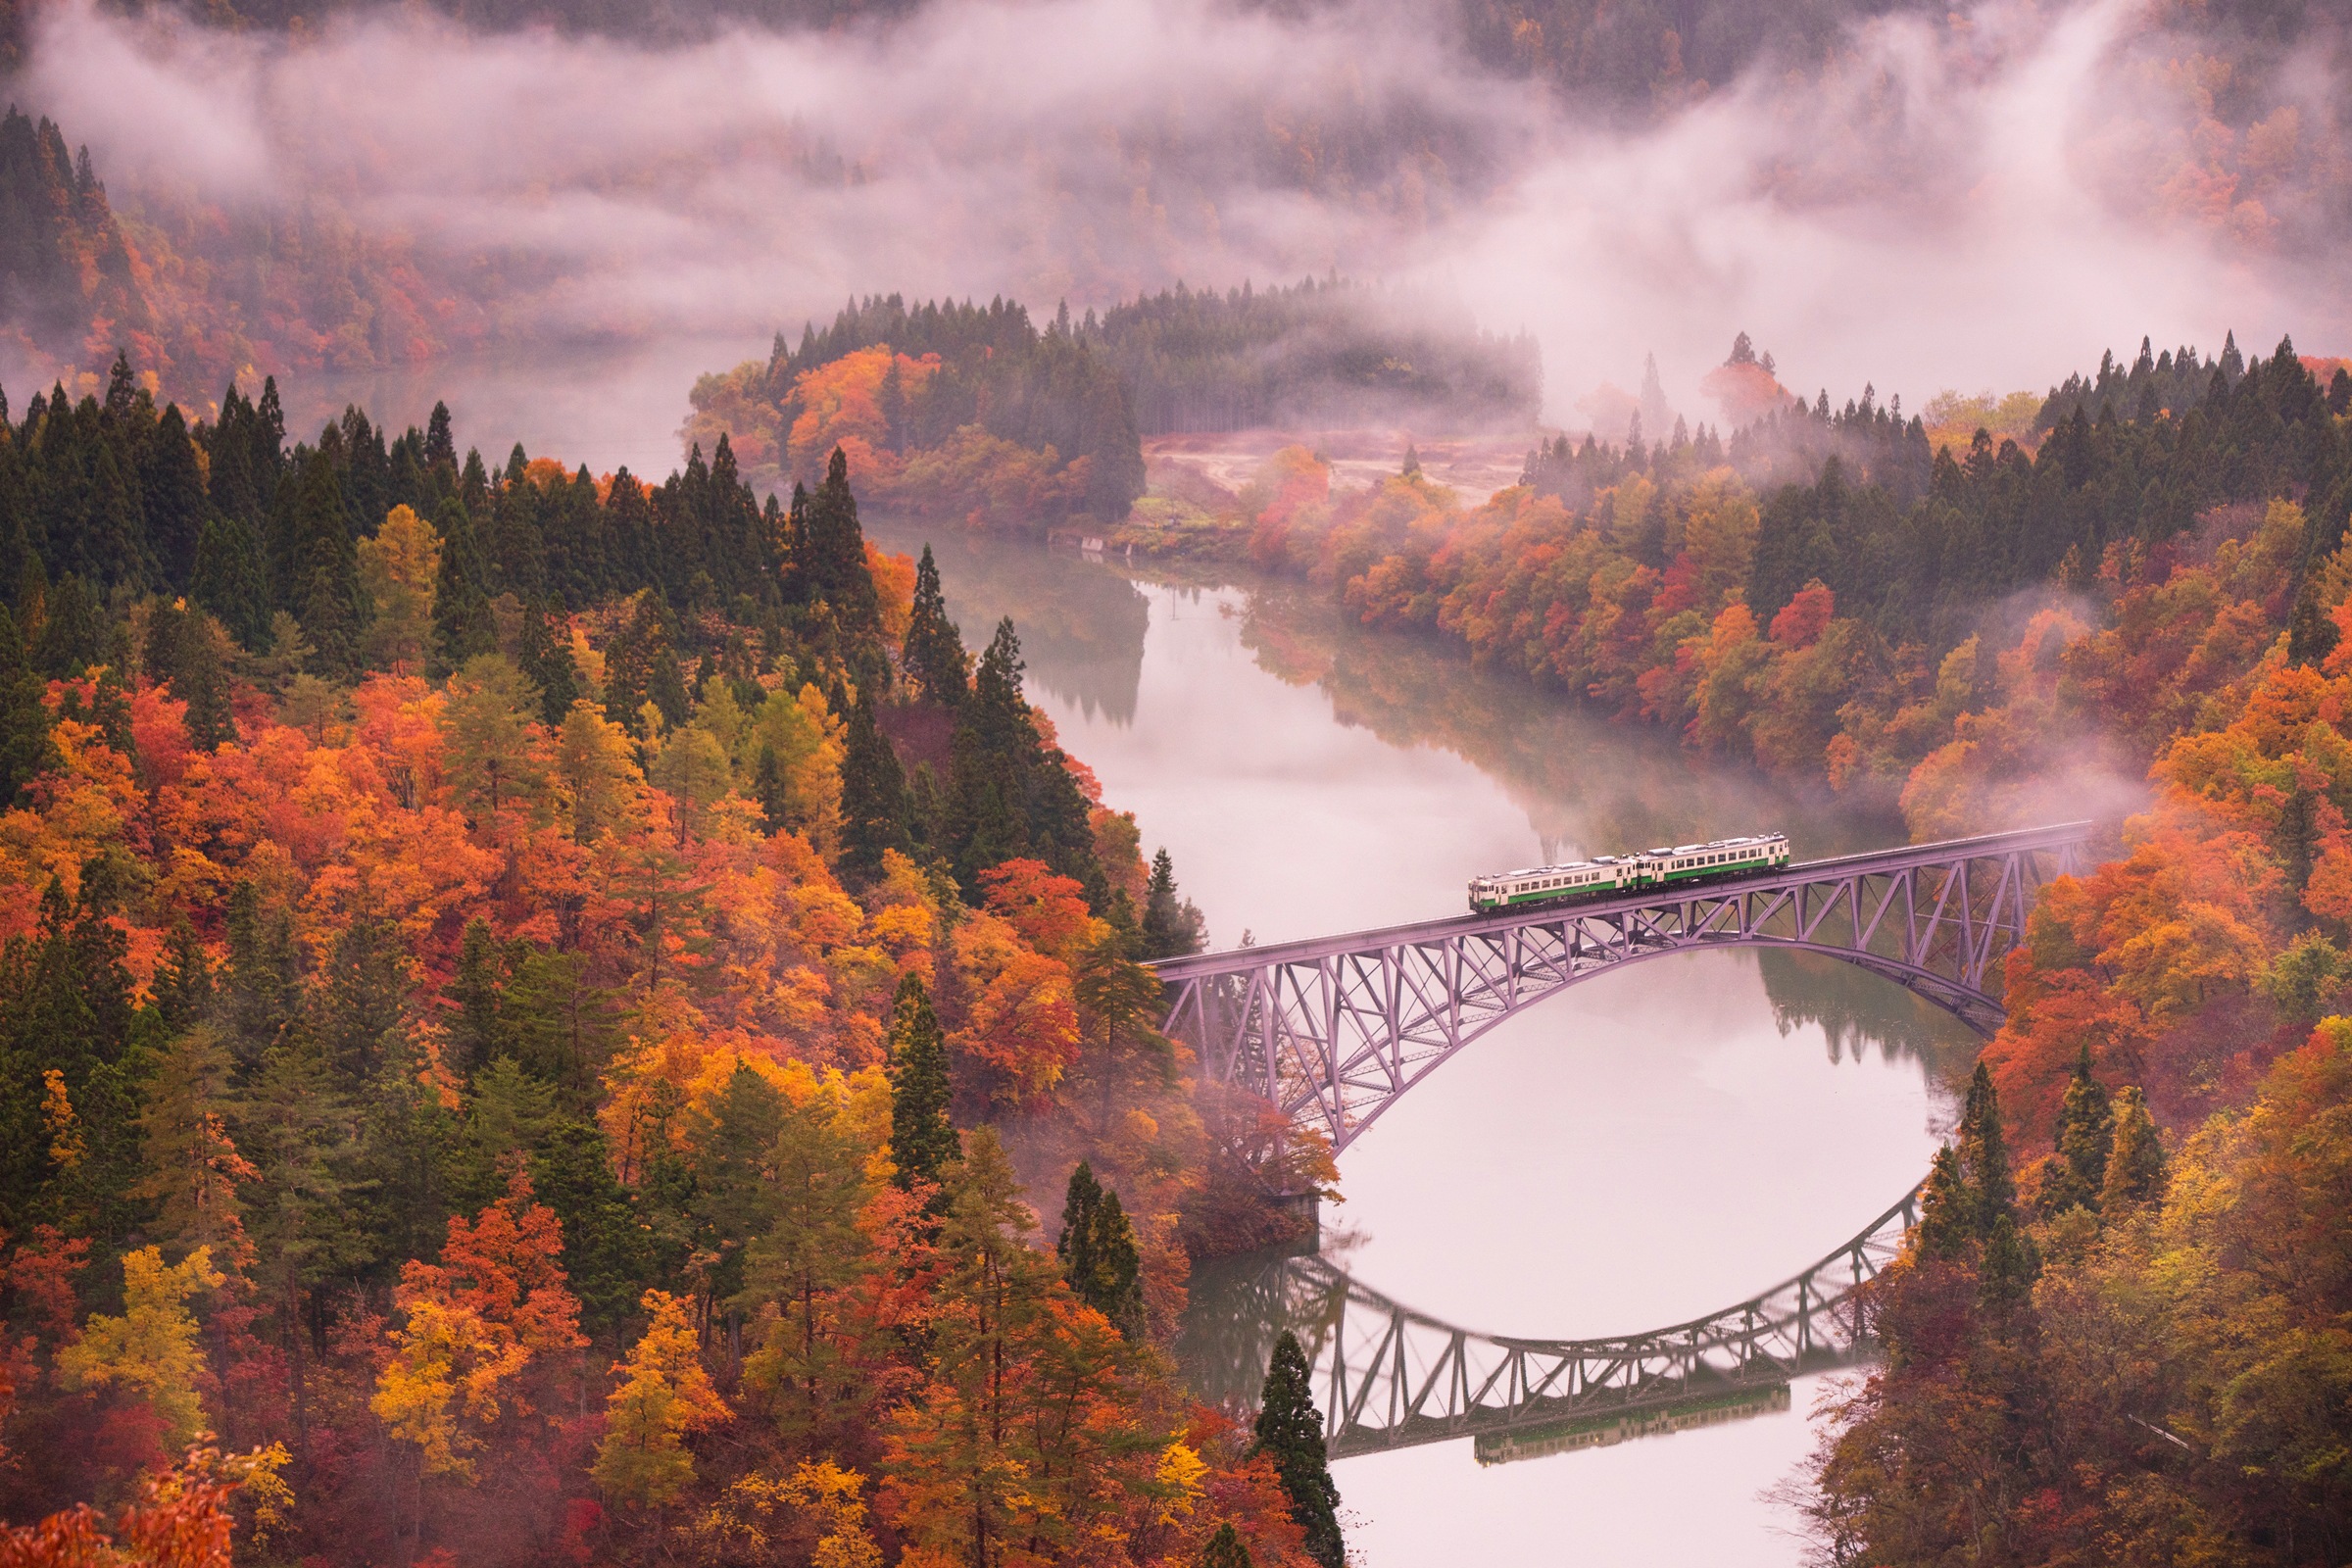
column 1989, row 199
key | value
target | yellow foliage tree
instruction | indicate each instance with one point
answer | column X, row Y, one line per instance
column 151, row 1349
column 399, row 568
column 664, row 1393
column 441, row 1386
column 597, row 771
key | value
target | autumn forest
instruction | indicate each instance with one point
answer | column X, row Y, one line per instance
column 567, row 999
column 464, row 1055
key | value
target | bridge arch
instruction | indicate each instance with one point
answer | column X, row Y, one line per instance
column 1334, row 1031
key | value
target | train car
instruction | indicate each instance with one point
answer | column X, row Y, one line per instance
column 1629, row 873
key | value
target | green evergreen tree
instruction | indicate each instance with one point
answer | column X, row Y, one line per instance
column 999, row 713
column 606, row 1252
column 1985, row 1154
column 934, row 652
column 359, row 1013
column 1290, row 1429
column 462, row 628
column 308, row 1213
column 72, row 638
column 923, row 1140
column 2085, row 1134
column 993, row 836
column 557, row 1023
column 172, row 500
column 2005, row 1278
column 811, row 1247
column 183, row 980
column 1226, row 1549
column 1947, row 1218
column 26, row 750
column 65, row 1005
column 314, row 567
column 876, row 816
column 180, row 652
column 473, row 1034
column 183, row 1142
column 732, row 1148
column 640, row 666
column 1075, row 1247
column 508, row 1111
column 263, row 974
column 1097, row 1252
column 231, row 580
column 547, row 664
column 1171, row 927
column 2135, row 1165
column 828, row 564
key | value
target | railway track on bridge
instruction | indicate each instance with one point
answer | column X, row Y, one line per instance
column 1333, row 1030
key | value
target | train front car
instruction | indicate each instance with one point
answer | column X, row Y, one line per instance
column 1718, row 858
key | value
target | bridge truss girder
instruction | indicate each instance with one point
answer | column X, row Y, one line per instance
column 1393, row 1377
column 1334, row 1032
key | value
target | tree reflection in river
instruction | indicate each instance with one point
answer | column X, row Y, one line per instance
column 1588, row 784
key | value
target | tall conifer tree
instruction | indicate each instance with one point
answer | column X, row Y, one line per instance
column 232, row 581
column 934, row 651
column 2085, row 1134
column 1985, row 1153
column 1097, row 1252
column 1290, row 1429
column 923, row 1140
column 2135, row 1165
column 25, row 747
column 874, row 812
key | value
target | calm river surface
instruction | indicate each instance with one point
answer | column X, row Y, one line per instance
column 1649, row 1148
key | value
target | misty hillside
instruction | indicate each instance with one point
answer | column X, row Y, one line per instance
column 327, row 207
column 974, row 413
column 1325, row 355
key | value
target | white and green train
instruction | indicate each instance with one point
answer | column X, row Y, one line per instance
column 1629, row 873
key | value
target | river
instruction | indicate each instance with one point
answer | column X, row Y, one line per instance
column 1650, row 1147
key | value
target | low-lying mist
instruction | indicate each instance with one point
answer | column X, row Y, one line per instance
column 1986, row 199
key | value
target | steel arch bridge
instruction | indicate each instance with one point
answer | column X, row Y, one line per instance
column 1335, row 1030
column 1389, row 1377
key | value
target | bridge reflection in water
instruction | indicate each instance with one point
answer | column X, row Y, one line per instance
column 1390, row 1377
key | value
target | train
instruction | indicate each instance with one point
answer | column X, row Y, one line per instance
column 1712, row 861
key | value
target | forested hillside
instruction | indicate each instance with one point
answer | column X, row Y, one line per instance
column 970, row 413
column 954, row 410
column 64, row 269
column 2120, row 1334
column 1851, row 626
column 529, row 1004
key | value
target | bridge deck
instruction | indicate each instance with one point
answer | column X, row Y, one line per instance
column 1310, row 949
